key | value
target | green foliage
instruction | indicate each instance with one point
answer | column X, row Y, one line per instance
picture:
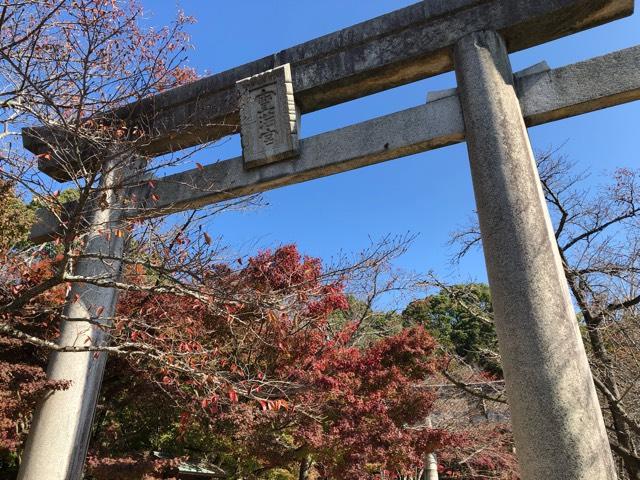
column 280, row 474
column 16, row 219
column 460, row 319
column 372, row 325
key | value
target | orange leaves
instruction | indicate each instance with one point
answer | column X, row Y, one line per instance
column 273, row 405
column 280, row 404
column 184, row 419
column 272, row 317
column 189, row 347
column 265, row 404
column 154, row 196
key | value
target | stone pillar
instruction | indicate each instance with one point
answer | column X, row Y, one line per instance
column 557, row 423
column 430, row 461
column 58, row 439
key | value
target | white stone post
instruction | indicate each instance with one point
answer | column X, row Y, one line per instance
column 59, row 435
column 557, row 423
column 430, row 461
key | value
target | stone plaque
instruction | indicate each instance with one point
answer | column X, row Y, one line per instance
column 269, row 120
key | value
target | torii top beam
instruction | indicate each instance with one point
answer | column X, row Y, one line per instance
column 400, row 47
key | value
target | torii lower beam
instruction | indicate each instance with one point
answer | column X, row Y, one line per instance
column 544, row 97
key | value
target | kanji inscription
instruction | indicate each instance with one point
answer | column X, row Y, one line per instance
column 268, row 117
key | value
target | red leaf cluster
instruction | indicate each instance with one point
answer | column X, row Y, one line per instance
column 259, row 360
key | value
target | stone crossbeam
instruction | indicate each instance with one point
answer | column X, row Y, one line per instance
column 545, row 96
column 400, row 47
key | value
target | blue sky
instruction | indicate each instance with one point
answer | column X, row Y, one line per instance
column 428, row 194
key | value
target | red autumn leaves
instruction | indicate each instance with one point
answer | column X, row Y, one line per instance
column 262, row 357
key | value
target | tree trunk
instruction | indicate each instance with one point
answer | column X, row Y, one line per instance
column 609, row 378
column 305, row 468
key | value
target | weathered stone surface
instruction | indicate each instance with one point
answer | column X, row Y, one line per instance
column 269, row 119
column 440, row 94
column 60, row 430
column 557, row 423
column 409, row 44
column 434, row 125
column 540, row 67
column 582, row 87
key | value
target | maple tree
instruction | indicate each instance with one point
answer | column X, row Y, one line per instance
column 257, row 364
column 252, row 368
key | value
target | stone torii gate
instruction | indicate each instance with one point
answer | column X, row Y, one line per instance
column 557, row 423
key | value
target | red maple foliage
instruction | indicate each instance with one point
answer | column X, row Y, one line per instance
column 22, row 375
column 258, row 362
column 252, row 359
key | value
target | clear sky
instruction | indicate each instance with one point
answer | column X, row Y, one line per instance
column 428, row 194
